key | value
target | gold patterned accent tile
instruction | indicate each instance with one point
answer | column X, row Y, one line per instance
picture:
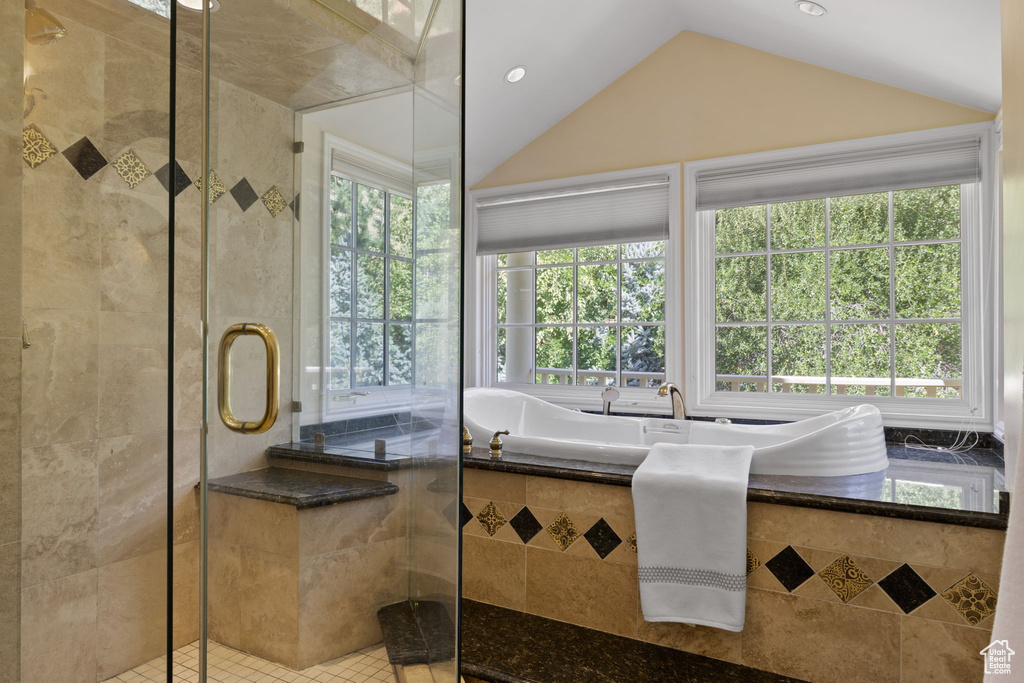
column 131, row 168
column 217, row 187
column 36, row 147
column 752, row 562
column 972, row 598
column 491, row 519
column 845, row 578
column 563, row 531
column 631, row 542
column 274, row 201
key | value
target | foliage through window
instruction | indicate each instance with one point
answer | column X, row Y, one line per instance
column 857, row 295
column 590, row 316
column 371, row 286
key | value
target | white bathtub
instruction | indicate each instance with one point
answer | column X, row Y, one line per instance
column 844, row 442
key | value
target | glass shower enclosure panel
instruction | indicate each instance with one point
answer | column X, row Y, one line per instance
column 331, row 242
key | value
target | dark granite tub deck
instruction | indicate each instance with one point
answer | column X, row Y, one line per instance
column 505, row 646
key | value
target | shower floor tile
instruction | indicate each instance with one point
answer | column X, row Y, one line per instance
column 369, row 665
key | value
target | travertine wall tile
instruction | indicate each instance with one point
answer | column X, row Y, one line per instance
column 816, row 640
column 934, row 651
column 494, row 572
column 131, row 624
column 59, row 511
column 58, row 630
column 10, row 612
column 587, row 592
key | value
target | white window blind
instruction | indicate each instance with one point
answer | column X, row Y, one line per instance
column 952, row 161
column 373, row 169
column 626, row 210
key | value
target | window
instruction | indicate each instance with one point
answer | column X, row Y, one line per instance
column 802, row 303
column 371, row 286
column 590, row 316
column 578, row 287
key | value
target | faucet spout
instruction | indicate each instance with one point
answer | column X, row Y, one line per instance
column 671, row 390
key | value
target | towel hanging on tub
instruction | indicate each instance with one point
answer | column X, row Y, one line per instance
column 690, row 504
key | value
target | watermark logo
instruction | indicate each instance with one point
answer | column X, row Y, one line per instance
column 997, row 657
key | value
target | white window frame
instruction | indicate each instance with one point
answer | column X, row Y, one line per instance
column 978, row 253
column 481, row 303
column 380, row 399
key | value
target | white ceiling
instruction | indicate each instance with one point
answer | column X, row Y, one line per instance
column 574, row 48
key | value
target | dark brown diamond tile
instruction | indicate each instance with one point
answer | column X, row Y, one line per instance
column 244, row 195
column 906, row 588
column 466, row 515
column 602, row 538
column 789, row 568
column 525, row 525
column 86, row 159
column 181, row 179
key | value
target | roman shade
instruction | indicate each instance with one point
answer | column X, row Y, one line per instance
column 624, row 210
column 873, row 166
column 377, row 171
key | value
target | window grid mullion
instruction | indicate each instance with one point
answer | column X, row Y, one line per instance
column 618, row 318
column 386, row 365
column 575, row 319
column 768, row 297
column 353, row 293
column 828, row 297
column 892, row 295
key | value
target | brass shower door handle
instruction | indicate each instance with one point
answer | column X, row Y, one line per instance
column 224, row 378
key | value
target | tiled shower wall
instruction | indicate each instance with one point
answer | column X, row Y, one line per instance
column 10, row 338
column 831, row 596
column 93, row 418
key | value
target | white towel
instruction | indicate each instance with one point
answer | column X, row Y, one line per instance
column 690, row 503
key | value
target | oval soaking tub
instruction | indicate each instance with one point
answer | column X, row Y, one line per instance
column 844, row 442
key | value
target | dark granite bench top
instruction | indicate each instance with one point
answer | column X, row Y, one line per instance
column 300, row 489
column 506, row 646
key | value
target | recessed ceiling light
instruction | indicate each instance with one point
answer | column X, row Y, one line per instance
column 515, row 74
column 812, row 8
column 197, row 5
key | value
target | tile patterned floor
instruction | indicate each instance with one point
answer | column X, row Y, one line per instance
column 369, row 665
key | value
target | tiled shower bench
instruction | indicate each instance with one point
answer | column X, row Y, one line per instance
column 300, row 561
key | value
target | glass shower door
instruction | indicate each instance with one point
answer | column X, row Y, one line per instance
column 331, row 243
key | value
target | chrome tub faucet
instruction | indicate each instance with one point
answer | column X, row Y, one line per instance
column 671, row 390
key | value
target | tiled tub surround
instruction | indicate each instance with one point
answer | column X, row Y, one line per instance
column 831, row 595
column 301, row 562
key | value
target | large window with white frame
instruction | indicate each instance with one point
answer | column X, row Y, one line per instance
column 820, row 295
column 577, row 287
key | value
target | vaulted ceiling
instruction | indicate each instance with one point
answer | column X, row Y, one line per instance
column 572, row 49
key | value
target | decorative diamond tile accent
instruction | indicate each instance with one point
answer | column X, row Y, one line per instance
column 525, row 525
column 36, row 147
column 466, row 515
column 217, row 187
column 86, row 159
column 972, row 598
column 181, row 179
column 789, row 568
column 602, row 538
column 244, row 195
column 752, row 562
column 294, row 206
column 845, row 578
column 563, row 531
column 274, row 201
column 491, row 519
column 906, row 588
column 449, row 513
column 631, row 542
column 131, row 168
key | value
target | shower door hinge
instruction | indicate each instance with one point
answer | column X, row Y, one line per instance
column 296, row 406
column 299, row 147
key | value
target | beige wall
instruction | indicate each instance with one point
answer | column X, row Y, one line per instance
column 698, row 97
column 811, row 633
column 1010, row 617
